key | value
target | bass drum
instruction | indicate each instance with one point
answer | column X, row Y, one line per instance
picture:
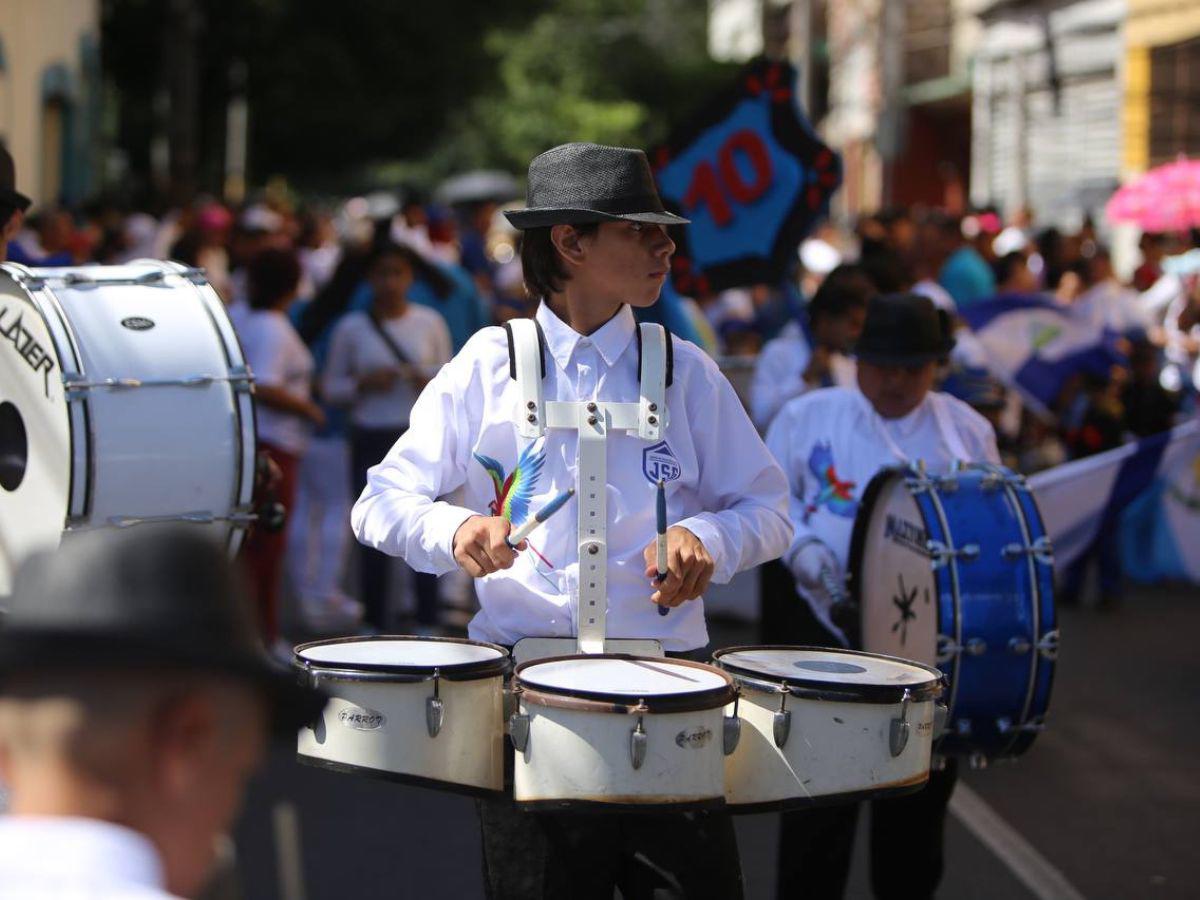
column 957, row 571
column 124, row 398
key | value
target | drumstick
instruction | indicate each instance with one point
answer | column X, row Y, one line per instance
column 538, row 518
column 661, row 540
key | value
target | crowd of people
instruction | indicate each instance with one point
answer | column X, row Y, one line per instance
column 346, row 312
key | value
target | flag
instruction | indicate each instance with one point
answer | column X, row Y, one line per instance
column 1148, row 490
column 1035, row 345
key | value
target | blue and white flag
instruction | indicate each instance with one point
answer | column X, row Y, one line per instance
column 1149, row 490
column 1034, row 344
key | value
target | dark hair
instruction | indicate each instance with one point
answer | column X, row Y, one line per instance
column 423, row 270
column 333, row 299
column 543, row 270
column 887, row 270
column 271, row 275
column 1007, row 264
column 845, row 288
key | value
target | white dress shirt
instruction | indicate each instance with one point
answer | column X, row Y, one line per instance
column 356, row 348
column 728, row 491
column 860, row 442
column 63, row 858
column 779, row 373
column 278, row 358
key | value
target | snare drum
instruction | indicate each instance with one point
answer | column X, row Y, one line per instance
column 124, row 398
column 823, row 725
column 421, row 710
column 618, row 732
column 957, row 571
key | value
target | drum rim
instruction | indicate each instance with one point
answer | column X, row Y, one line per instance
column 602, row 701
column 370, row 671
column 818, row 689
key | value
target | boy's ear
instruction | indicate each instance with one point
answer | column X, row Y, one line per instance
column 566, row 241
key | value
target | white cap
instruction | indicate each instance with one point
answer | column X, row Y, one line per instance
column 1010, row 240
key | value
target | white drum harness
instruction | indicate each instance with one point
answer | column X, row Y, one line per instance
column 593, row 420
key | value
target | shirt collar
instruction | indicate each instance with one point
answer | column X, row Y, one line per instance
column 610, row 339
column 79, row 851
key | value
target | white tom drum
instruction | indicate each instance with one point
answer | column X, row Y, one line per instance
column 124, row 398
column 824, row 725
column 618, row 732
column 414, row 709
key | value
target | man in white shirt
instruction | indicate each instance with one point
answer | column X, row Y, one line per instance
column 830, row 444
column 594, row 245
column 134, row 704
column 811, row 352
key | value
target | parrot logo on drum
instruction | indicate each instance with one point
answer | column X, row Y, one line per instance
column 904, row 602
column 834, row 494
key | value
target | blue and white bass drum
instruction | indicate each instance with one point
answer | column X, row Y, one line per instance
column 956, row 571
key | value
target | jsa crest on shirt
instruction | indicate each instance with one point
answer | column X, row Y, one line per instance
column 467, row 413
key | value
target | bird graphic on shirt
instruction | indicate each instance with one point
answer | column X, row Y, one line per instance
column 833, row 493
column 514, row 491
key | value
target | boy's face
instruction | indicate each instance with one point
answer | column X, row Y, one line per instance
column 628, row 262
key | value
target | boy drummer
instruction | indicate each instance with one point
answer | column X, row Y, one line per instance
column 595, row 245
column 830, row 443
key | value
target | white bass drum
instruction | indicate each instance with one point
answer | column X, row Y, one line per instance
column 124, row 398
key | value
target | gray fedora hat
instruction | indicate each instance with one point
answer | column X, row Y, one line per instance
column 574, row 184
column 154, row 598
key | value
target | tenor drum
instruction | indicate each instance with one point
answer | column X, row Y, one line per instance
column 422, row 710
column 619, row 732
column 124, row 398
column 825, row 725
column 957, row 571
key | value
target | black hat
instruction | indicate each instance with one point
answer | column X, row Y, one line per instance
column 8, row 182
column 904, row 330
column 576, row 183
column 150, row 598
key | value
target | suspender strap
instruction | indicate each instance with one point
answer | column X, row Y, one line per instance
column 655, row 360
column 527, row 366
column 670, row 351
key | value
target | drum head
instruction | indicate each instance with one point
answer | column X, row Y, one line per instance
column 894, row 581
column 817, row 666
column 405, row 654
column 629, row 677
column 35, row 435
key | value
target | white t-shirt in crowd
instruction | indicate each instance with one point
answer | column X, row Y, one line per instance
column 357, row 348
column 278, row 358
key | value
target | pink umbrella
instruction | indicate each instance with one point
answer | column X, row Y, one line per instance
column 1166, row 198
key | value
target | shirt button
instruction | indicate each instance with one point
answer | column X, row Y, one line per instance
column 585, row 343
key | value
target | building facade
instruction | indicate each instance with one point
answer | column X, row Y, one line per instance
column 50, row 96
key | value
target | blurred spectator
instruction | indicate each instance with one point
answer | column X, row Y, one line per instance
column 12, row 205
column 284, row 410
column 1013, row 275
column 811, row 352
column 135, row 703
column 378, row 362
column 1154, row 250
column 1149, row 407
column 46, row 240
column 964, row 274
column 318, row 249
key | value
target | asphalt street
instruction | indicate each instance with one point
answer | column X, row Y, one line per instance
column 1105, row 805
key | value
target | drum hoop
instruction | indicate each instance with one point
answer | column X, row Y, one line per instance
column 400, row 673
column 623, row 704
column 813, row 689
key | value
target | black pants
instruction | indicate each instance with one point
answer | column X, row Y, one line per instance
column 815, row 846
column 581, row 856
column 367, row 447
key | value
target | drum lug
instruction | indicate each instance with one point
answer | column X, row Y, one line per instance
column 518, row 731
column 1004, row 725
column 1019, row 645
column 781, row 727
column 940, row 554
column 977, row 761
column 435, row 709
column 637, row 745
column 947, row 648
column 941, row 713
column 241, row 379
column 962, row 727
column 898, row 734
column 1042, row 550
column 1048, row 645
column 731, row 729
